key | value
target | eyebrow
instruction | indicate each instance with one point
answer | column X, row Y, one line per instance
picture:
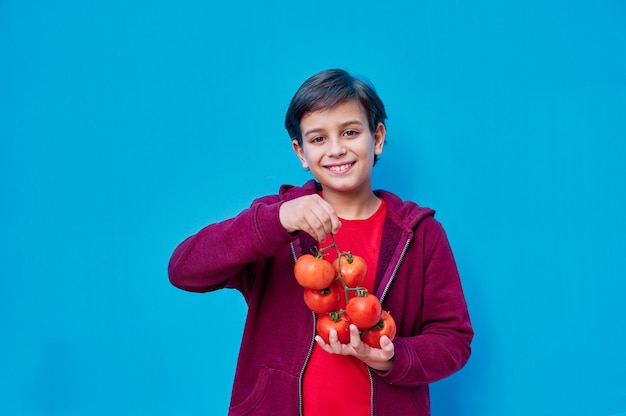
column 342, row 125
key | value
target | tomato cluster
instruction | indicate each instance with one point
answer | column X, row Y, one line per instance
column 326, row 283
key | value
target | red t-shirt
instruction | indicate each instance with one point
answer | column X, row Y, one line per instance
column 338, row 384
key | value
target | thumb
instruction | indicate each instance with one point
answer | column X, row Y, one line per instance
column 386, row 344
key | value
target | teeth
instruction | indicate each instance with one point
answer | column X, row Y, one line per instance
column 340, row 168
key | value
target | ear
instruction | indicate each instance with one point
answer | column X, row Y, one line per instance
column 379, row 138
column 300, row 153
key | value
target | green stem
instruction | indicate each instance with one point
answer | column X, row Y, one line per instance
column 346, row 289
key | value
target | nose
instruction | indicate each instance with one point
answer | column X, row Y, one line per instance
column 335, row 147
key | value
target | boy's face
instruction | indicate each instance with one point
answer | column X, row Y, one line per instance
column 339, row 147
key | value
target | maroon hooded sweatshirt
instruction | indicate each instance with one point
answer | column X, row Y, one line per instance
column 416, row 280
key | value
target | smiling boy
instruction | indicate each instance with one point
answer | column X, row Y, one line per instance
column 336, row 123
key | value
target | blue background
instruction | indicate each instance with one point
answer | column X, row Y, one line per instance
column 127, row 126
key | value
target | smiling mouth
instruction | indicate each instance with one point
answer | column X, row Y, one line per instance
column 340, row 168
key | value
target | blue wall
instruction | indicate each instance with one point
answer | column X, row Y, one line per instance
column 126, row 126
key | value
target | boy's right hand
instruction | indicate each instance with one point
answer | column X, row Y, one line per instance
column 310, row 214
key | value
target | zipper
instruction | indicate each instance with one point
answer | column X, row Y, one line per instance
column 382, row 297
column 395, row 270
column 308, row 355
column 369, row 374
column 293, row 252
column 306, row 361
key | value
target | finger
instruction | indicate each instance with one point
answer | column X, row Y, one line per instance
column 316, row 221
column 387, row 346
column 309, row 214
column 326, row 219
column 314, row 228
column 355, row 339
column 336, row 346
column 333, row 219
column 336, row 225
column 319, row 231
column 320, row 341
column 323, row 344
column 315, row 216
column 333, row 340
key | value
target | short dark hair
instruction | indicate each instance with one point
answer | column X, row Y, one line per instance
column 328, row 88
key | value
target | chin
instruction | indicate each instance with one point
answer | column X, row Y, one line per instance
column 341, row 187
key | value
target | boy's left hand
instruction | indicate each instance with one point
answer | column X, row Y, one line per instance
column 378, row 358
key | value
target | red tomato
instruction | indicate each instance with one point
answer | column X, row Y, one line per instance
column 314, row 272
column 325, row 323
column 364, row 311
column 386, row 326
column 325, row 300
column 352, row 268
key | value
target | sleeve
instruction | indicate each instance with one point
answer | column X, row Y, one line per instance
column 219, row 254
column 442, row 345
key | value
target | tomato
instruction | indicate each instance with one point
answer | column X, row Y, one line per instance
column 325, row 323
column 364, row 311
column 386, row 326
column 325, row 300
column 314, row 272
column 352, row 268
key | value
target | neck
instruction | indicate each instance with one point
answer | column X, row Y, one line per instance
column 353, row 207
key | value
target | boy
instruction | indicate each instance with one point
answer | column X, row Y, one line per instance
column 336, row 123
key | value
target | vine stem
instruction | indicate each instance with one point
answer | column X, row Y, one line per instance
column 346, row 289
